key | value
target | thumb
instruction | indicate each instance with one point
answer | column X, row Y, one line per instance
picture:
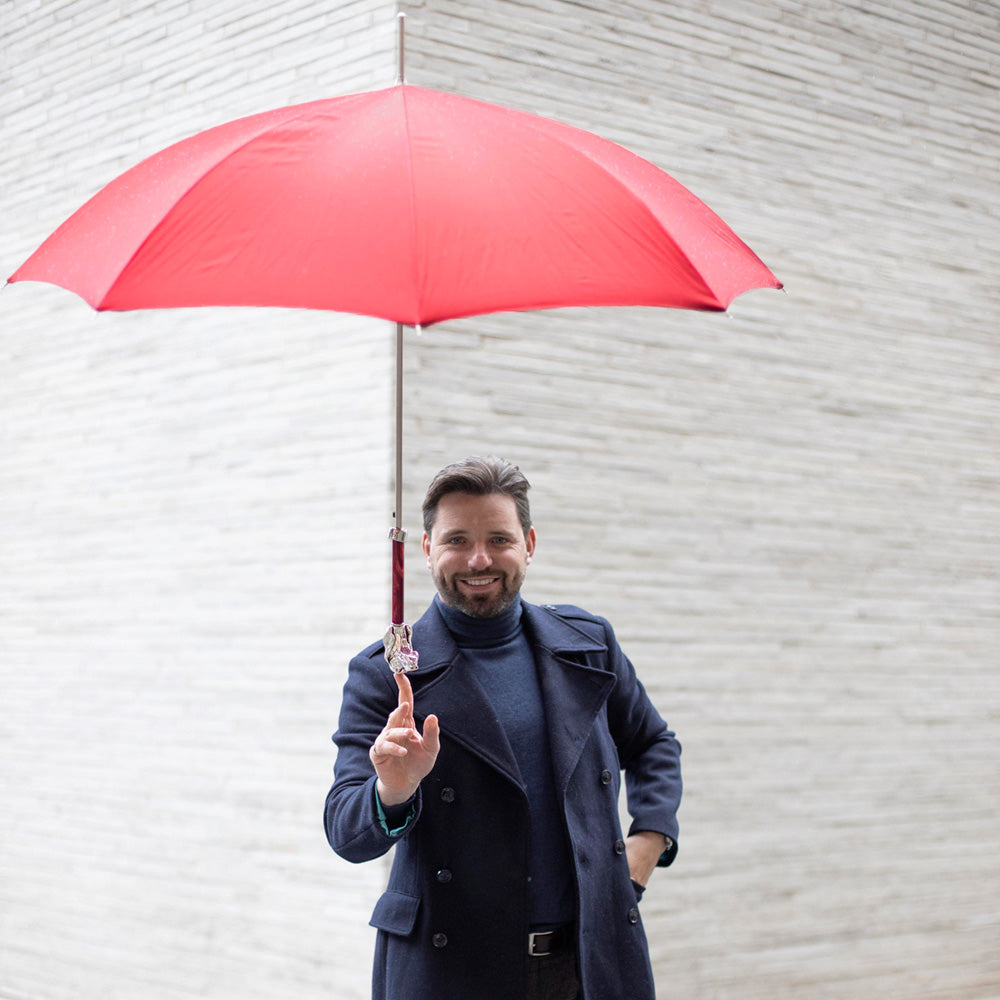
column 432, row 740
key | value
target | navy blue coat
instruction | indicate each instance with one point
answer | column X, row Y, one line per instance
column 453, row 922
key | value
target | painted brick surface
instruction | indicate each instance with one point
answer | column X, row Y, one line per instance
column 789, row 512
column 194, row 507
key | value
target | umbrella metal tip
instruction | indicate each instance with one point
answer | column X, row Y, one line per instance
column 400, row 46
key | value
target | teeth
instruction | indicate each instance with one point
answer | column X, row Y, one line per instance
column 479, row 581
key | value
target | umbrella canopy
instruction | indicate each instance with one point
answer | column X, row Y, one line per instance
column 403, row 203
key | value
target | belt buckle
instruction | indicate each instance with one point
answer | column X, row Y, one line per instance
column 542, row 939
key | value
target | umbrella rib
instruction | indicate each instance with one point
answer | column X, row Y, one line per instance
column 630, row 193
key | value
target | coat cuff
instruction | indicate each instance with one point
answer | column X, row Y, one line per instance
column 670, row 848
column 395, row 820
column 667, row 857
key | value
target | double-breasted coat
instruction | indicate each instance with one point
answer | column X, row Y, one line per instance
column 453, row 922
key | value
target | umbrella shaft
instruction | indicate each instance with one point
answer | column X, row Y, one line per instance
column 398, row 515
column 398, row 534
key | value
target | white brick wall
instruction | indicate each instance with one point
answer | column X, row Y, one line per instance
column 194, row 507
column 790, row 513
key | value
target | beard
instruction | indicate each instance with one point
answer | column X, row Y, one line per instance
column 490, row 604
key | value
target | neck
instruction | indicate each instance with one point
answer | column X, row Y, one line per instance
column 469, row 631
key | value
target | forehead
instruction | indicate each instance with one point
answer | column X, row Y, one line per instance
column 467, row 512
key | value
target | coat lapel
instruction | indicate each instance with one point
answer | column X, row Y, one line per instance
column 574, row 692
column 447, row 686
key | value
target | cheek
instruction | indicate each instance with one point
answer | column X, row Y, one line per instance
column 441, row 562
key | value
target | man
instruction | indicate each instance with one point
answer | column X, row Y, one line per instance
column 495, row 774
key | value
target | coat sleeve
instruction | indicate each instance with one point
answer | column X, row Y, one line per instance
column 353, row 826
column 648, row 752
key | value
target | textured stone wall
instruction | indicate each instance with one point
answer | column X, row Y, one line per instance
column 194, row 506
column 790, row 512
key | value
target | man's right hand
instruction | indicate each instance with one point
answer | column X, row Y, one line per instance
column 401, row 756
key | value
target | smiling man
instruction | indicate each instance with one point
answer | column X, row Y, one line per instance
column 478, row 552
column 496, row 772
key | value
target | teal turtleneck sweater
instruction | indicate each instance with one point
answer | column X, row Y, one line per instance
column 498, row 650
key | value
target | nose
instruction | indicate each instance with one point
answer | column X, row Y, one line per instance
column 479, row 558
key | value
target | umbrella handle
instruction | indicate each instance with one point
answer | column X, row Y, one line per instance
column 397, row 576
column 398, row 639
column 399, row 651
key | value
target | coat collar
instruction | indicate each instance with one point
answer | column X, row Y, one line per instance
column 573, row 690
column 549, row 630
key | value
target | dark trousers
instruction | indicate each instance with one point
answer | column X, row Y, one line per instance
column 553, row 977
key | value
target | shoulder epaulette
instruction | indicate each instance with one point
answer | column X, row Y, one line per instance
column 570, row 611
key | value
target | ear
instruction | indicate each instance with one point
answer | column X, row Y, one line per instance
column 425, row 544
column 529, row 543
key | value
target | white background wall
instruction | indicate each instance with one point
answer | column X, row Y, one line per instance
column 194, row 511
column 789, row 512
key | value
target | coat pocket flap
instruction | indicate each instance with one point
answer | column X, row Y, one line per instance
column 395, row 912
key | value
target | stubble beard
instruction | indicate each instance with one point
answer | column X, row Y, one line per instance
column 487, row 606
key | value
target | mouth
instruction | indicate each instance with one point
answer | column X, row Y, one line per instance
column 476, row 582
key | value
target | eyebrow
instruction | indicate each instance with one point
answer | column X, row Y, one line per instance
column 503, row 532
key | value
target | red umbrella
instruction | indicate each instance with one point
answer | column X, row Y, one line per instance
column 403, row 203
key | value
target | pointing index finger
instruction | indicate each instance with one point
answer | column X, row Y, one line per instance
column 405, row 692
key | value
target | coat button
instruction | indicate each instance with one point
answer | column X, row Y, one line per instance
column 633, row 916
column 447, row 794
column 444, row 875
column 605, row 777
column 619, row 847
column 441, row 940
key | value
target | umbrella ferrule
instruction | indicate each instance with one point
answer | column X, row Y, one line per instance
column 399, row 651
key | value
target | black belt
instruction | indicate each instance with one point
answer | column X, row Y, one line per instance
column 542, row 943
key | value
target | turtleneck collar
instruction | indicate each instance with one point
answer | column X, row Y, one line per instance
column 470, row 632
